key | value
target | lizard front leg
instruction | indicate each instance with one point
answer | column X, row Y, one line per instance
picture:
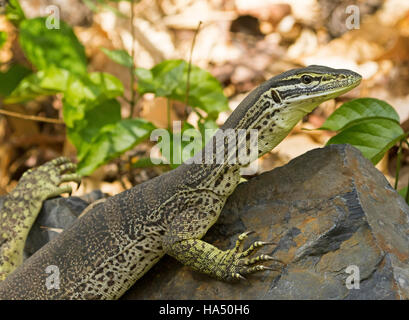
column 225, row 265
column 22, row 205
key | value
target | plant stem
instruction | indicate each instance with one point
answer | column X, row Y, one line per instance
column 407, row 189
column 133, row 96
column 398, row 160
column 407, row 143
column 29, row 117
column 189, row 66
column 169, row 104
column 407, row 194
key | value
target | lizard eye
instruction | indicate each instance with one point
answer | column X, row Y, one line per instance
column 306, row 79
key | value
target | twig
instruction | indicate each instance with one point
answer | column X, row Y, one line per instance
column 189, row 67
column 33, row 118
column 407, row 193
column 398, row 162
column 407, row 188
column 168, row 106
column 58, row 230
column 132, row 102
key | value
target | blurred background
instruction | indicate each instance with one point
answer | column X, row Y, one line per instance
column 241, row 43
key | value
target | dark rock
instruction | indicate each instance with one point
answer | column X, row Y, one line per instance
column 326, row 210
column 56, row 215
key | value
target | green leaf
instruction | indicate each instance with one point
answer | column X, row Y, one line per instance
column 109, row 85
column 208, row 128
column 169, row 78
column 14, row 13
column 145, row 80
column 112, row 141
column 192, row 137
column 54, row 78
column 45, row 47
column 186, row 143
column 42, row 83
column 403, row 192
column 3, row 38
column 162, row 79
column 28, row 89
column 84, row 130
column 119, row 56
column 372, row 137
column 10, row 79
column 183, row 145
column 205, row 92
column 84, row 93
column 354, row 111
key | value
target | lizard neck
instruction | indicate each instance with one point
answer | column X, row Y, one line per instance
column 237, row 145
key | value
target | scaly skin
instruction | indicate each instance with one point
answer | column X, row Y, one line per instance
column 116, row 242
column 224, row 265
column 22, row 205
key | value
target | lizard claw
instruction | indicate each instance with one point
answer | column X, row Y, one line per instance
column 238, row 261
column 238, row 276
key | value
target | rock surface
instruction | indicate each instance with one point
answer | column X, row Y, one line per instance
column 328, row 209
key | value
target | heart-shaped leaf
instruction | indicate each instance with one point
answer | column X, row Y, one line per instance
column 112, row 141
column 354, row 111
column 169, row 79
column 372, row 136
column 45, row 47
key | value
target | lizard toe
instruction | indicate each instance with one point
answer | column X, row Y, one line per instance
column 68, row 167
column 58, row 161
column 255, row 247
column 74, row 177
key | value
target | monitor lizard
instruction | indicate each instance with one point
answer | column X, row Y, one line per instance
column 116, row 242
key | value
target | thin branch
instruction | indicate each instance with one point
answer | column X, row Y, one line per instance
column 168, row 106
column 398, row 163
column 407, row 188
column 407, row 193
column 28, row 117
column 58, row 230
column 189, row 67
column 132, row 102
column 406, row 141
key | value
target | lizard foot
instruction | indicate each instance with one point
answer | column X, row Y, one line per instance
column 239, row 263
column 22, row 205
column 44, row 181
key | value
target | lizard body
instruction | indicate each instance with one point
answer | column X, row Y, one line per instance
column 116, row 242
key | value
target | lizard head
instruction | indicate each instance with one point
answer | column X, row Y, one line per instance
column 284, row 99
column 310, row 86
column 275, row 107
